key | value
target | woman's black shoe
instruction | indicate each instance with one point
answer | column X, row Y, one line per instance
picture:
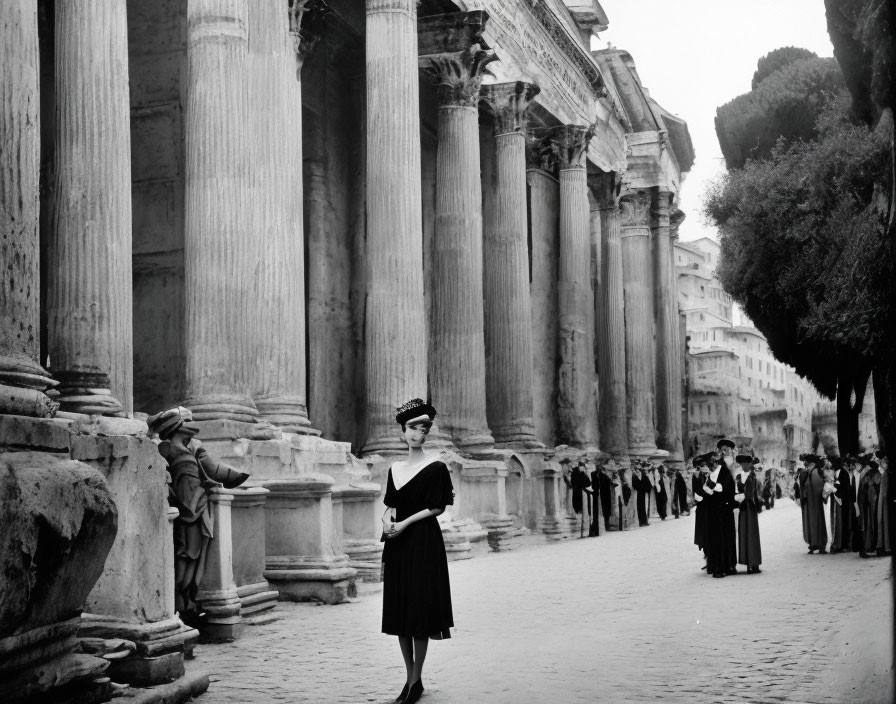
column 401, row 697
column 756, row 570
column 414, row 693
column 718, row 575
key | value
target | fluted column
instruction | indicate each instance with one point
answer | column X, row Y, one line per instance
column 668, row 359
column 457, row 366
column 89, row 321
column 509, row 373
column 611, row 330
column 275, row 148
column 22, row 379
column 218, row 264
column 637, row 268
column 575, row 398
column 395, row 331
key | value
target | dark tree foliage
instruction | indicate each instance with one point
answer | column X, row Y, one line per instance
column 778, row 59
column 785, row 105
column 803, row 252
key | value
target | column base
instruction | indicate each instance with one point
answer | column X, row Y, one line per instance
column 387, row 447
column 306, row 579
column 159, row 653
column 366, row 557
column 22, row 387
column 222, row 407
column 256, row 603
column 504, row 533
column 474, row 443
column 287, row 414
column 40, row 665
column 222, row 622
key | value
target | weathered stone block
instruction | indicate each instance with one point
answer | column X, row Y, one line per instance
column 34, row 433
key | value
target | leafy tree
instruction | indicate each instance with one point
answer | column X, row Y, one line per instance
column 803, row 252
column 785, row 105
column 778, row 59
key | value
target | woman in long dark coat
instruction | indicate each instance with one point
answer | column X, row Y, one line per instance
column 416, row 590
column 641, row 485
column 750, row 499
column 869, row 493
column 814, row 529
column 697, row 482
column 681, row 494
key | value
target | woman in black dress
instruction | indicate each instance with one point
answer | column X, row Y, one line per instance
column 416, row 591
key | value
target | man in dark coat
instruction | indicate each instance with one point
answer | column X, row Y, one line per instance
column 596, row 503
column 869, row 493
column 841, row 508
column 661, row 491
column 811, row 488
column 697, row 481
column 718, row 496
column 680, row 495
column 641, row 485
column 725, row 457
column 607, row 493
column 857, row 537
column 750, row 500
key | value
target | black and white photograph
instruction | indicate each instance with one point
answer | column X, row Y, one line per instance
column 447, row 351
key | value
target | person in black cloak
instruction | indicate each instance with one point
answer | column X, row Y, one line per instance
column 416, row 589
column 641, row 485
column 811, row 489
column 841, row 508
column 661, row 493
column 680, row 494
column 857, row 537
column 750, row 500
column 869, row 493
column 607, row 492
column 725, row 457
column 596, row 503
column 578, row 482
column 718, row 495
column 697, row 482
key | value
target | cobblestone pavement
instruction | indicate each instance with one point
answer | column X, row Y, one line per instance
column 625, row 617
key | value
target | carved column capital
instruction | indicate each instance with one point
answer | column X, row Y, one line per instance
column 510, row 102
column 662, row 205
column 634, row 209
column 675, row 220
column 406, row 6
column 458, row 76
column 570, row 143
column 540, row 153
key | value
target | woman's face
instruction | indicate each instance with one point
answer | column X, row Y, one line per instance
column 416, row 431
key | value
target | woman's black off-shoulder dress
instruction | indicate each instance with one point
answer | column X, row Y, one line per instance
column 416, row 592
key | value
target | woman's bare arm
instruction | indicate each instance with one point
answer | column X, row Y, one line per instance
column 398, row 527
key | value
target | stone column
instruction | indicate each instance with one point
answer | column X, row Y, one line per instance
column 275, row 193
column 611, row 334
column 575, row 398
column 509, row 376
column 89, row 321
column 668, row 359
column 218, row 595
column 395, row 330
column 218, row 264
column 637, row 271
column 22, row 379
column 457, row 369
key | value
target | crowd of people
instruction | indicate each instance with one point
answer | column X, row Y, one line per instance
column 843, row 501
column 722, row 484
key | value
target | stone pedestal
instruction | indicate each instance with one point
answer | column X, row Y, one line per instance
column 89, row 300
column 457, row 367
column 302, row 562
column 611, row 334
column 639, row 322
column 59, row 522
column 482, row 496
column 247, row 531
column 576, row 404
column 395, row 330
column 220, row 330
column 22, row 379
column 553, row 522
column 134, row 597
column 508, row 308
column 360, row 519
column 217, row 595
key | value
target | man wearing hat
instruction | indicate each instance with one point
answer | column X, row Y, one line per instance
column 857, row 537
column 841, row 508
column 868, row 497
column 883, row 516
column 811, row 488
column 719, row 540
column 725, row 456
column 641, row 485
column 750, row 500
column 697, row 481
column 193, row 474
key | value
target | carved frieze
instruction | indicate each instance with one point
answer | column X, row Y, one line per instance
column 451, row 33
column 509, row 103
column 570, row 143
column 458, row 76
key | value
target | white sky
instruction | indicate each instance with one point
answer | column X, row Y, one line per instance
column 695, row 55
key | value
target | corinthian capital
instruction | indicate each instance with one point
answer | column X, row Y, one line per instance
column 570, row 143
column 306, row 19
column 634, row 209
column 509, row 102
column 458, row 76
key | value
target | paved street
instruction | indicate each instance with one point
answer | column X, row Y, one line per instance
column 625, row 617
